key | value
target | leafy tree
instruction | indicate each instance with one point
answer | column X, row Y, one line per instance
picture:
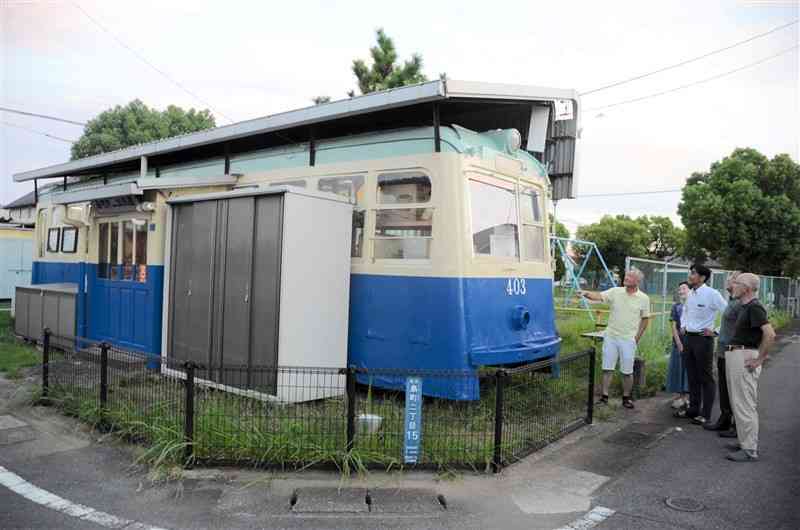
column 666, row 239
column 617, row 237
column 136, row 123
column 558, row 229
column 745, row 212
column 385, row 72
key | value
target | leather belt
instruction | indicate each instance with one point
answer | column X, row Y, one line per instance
column 697, row 334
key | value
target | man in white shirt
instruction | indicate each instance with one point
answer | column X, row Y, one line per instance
column 699, row 315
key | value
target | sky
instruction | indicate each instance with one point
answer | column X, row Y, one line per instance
column 247, row 59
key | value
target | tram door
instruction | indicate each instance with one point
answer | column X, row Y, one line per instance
column 225, row 285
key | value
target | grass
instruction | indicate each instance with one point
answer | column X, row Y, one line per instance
column 149, row 409
column 15, row 355
column 231, row 428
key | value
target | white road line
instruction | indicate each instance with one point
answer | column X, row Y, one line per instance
column 591, row 519
column 22, row 487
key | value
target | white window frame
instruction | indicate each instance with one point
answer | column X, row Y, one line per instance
column 377, row 206
column 120, row 239
column 541, row 224
column 488, row 257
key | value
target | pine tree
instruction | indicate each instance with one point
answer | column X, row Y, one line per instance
column 385, row 72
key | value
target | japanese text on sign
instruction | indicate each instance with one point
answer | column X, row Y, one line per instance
column 413, row 429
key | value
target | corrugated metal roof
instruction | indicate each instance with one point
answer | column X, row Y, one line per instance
column 325, row 113
column 26, row 200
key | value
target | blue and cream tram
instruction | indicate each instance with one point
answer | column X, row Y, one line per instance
column 450, row 251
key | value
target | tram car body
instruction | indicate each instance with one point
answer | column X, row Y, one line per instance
column 450, row 252
column 450, row 258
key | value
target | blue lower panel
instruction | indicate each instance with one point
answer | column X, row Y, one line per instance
column 457, row 324
column 126, row 313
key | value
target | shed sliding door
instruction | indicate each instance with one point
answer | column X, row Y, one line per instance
column 226, row 286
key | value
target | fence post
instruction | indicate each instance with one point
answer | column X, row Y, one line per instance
column 351, row 407
column 188, row 426
column 103, row 374
column 45, row 364
column 497, row 459
column 590, row 397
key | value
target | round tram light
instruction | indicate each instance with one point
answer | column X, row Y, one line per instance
column 513, row 140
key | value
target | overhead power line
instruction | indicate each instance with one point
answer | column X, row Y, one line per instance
column 624, row 193
column 695, row 83
column 53, row 136
column 43, row 116
column 689, row 61
column 148, row 63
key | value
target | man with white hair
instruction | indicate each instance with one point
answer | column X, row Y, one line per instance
column 752, row 338
column 627, row 322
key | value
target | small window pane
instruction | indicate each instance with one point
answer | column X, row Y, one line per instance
column 357, row 242
column 113, row 255
column 404, row 188
column 53, row 239
column 102, row 252
column 533, row 242
column 405, row 222
column 69, row 239
column 298, row 183
column 127, row 250
column 403, row 248
column 531, row 206
column 351, row 188
column 494, row 217
column 141, row 250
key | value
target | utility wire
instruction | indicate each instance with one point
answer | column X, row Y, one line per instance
column 148, row 63
column 706, row 80
column 625, row 193
column 53, row 136
column 688, row 61
column 44, row 116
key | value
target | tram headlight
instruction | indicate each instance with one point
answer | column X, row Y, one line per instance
column 513, row 140
column 520, row 317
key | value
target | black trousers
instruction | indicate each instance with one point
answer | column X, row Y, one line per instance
column 725, row 410
column 698, row 357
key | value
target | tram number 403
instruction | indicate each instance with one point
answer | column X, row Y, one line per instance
column 515, row 286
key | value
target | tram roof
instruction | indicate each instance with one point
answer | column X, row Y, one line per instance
column 474, row 105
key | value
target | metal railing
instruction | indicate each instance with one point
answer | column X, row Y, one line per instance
column 296, row 417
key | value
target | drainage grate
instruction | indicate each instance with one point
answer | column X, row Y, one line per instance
column 684, row 504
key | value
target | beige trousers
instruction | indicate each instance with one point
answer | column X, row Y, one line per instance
column 743, row 390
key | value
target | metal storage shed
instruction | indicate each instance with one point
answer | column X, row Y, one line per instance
column 260, row 278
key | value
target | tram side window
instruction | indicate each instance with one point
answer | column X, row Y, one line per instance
column 494, row 217
column 69, row 240
column 403, row 233
column 352, row 188
column 533, row 234
column 404, row 188
column 53, row 239
column 131, row 263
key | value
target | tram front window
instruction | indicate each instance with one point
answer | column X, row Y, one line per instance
column 494, row 217
column 533, row 238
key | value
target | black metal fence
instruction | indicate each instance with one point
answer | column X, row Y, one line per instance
column 296, row 417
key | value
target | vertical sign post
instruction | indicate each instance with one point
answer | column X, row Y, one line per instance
column 413, row 422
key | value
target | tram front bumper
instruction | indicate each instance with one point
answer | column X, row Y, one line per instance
column 516, row 353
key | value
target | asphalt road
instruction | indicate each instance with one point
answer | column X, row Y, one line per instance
column 597, row 467
column 691, row 463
